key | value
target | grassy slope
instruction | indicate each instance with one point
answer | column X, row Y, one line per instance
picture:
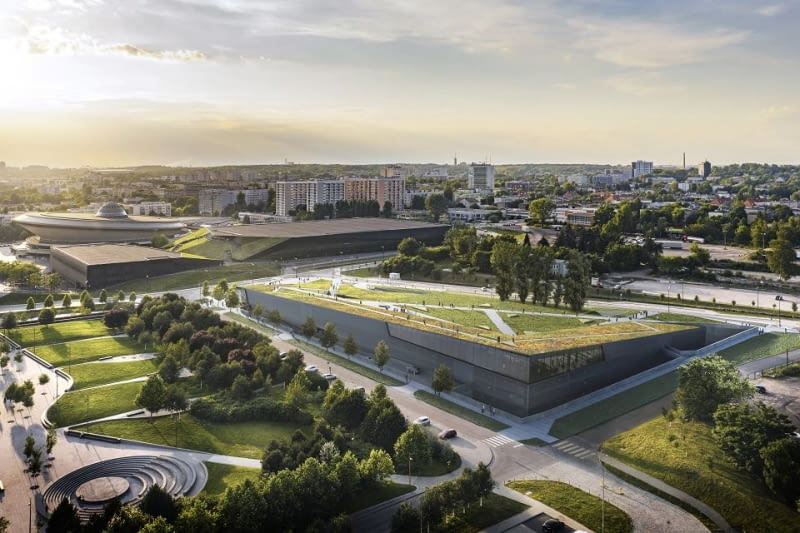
column 195, row 278
column 678, row 317
column 73, row 407
column 222, row 476
column 473, row 319
column 523, row 323
column 94, row 374
column 575, row 503
column 60, row 332
column 463, row 412
column 761, row 346
column 242, row 439
column 87, row 350
column 684, row 455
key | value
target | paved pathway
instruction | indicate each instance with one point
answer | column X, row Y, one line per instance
column 499, row 323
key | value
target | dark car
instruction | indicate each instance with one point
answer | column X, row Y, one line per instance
column 552, row 525
column 448, row 434
column 761, row 389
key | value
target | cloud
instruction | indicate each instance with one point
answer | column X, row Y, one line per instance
column 780, row 110
column 47, row 40
column 770, row 11
column 632, row 43
column 643, row 83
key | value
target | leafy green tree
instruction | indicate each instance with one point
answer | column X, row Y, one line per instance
column 409, row 246
column 159, row 241
column 103, row 296
column 781, row 460
column 66, row 302
column 132, row 297
column 9, row 321
column 30, row 305
column 350, row 346
column 706, row 383
column 158, row 502
column 64, row 519
column 48, row 301
column 241, row 389
column 51, row 440
column 699, row 255
column 120, row 296
column 232, row 298
column 46, row 316
column 376, row 468
column 412, row 447
column 780, row 258
column 258, row 311
column 29, row 446
column 116, row 318
column 309, row 327
column 43, row 379
column 442, row 380
column 205, row 290
column 436, row 204
column 152, row 395
column 4, row 359
column 297, row 392
column 576, row 281
column 381, row 354
column 406, row 519
column 502, row 261
column 541, row 209
column 274, row 316
column 328, row 338
column 84, row 297
column 169, row 369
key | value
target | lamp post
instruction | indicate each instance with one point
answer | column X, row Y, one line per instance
column 779, row 299
column 409, row 469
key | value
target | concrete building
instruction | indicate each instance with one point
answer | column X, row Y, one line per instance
column 381, row 190
column 212, row 202
column 163, row 209
column 574, row 216
column 641, row 168
column 480, row 176
column 704, row 169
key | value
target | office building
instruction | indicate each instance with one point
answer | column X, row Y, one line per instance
column 161, row 209
column 480, row 176
column 641, row 168
column 382, row 190
column 704, row 169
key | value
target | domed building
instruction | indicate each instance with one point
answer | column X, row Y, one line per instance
column 110, row 224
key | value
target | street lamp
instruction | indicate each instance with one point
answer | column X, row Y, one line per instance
column 779, row 299
column 409, row 469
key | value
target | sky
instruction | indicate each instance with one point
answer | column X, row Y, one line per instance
column 213, row 82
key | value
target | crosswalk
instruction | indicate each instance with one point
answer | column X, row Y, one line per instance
column 501, row 440
column 574, row 450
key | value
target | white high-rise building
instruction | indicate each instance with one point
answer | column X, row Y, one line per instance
column 641, row 168
column 481, row 176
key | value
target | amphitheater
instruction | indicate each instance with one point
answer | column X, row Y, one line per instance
column 91, row 487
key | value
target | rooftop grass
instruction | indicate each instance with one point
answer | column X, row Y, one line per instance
column 90, row 404
column 571, row 501
column 59, row 332
column 761, row 346
column 459, row 410
column 679, row 317
column 523, row 323
column 221, row 476
column 240, row 439
column 472, row 319
column 684, row 455
column 101, row 373
column 615, row 406
column 83, row 351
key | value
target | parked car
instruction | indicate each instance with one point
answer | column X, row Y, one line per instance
column 761, row 389
column 312, row 368
column 552, row 525
column 329, row 376
column 448, row 434
column 423, row 421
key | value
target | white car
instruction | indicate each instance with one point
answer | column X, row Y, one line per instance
column 423, row 421
column 329, row 376
column 312, row 368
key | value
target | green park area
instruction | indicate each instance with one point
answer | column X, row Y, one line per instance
column 524, row 323
column 90, row 404
column 221, row 476
column 242, row 439
column 59, row 332
column 587, row 509
column 689, row 319
column 99, row 373
column 83, row 351
column 762, row 346
column 463, row 317
column 685, row 455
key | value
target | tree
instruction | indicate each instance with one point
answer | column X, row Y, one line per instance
column 30, row 305
column 48, row 301
column 541, row 209
column 132, row 297
column 152, row 395
column 66, row 302
column 85, row 297
column 241, row 390
column 780, row 257
column 205, row 291
column 116, row 318
column 407, row 518
column 43, row 379
column 35, row 462
column 376, row 468
column 442, row 380
column 502, row 261
column 381, row 354
column 328, row 338
column 412, row 446
column 258, row 311
column 576, row 281
column 50, row 440
column 297, row 391
column 4, row 359
column 409, row 246
column 46, row 316
column 157, row 502
column 706, row 383
column 309, row 327
column 232, row 298
column 103, row 296
column 782, row 468
column 64, row 519
column 349, row 345
column 159, row 241
column 436, row 204
column 29, row 446
column 9, row 321
column 274, row 316
column 699, row 255
column 169, row 369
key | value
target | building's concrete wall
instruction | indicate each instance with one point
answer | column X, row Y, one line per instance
column 489, row 374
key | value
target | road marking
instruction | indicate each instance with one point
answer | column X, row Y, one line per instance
column 498, row 440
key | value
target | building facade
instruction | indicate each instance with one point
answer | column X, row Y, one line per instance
column 480, row 176
column 704, row 169
column 641, row 168
column 211, row 202
column 162, row 209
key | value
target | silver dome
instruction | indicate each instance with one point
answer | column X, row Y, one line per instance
column 111, row 210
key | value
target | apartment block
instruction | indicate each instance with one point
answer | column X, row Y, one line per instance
column 480, row 176
column 162, row 209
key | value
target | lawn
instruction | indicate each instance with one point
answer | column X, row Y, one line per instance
column 617, row 405
column 761, row 346
column 576, row 504
column 473, row 319
column 195, row 278
column 88, row 350
column 460, row 411
column 678, row 317
column 522, row 323
column 495, row 509
column 376, row 495
column 59, row 332
column 242, row 439
column 93, row 374
column 684, row 455
column 222, row 476
column 83, row 405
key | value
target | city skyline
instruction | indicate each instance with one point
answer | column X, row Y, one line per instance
column 105, row 83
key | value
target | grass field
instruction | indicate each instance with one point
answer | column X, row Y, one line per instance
column 617, row 405
column 242, row 439
column 684, row 455
column 678, row 317
column 761, row 346
column 473, row 319
column 195, row 278
column 522, row 323
column 495, row 509
column 576, row 504
column 463, row 412
column 93, row 374
column 59, row 332
column 222, row 476
column 87, row 350
column 90, row 404
column 376, row 495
